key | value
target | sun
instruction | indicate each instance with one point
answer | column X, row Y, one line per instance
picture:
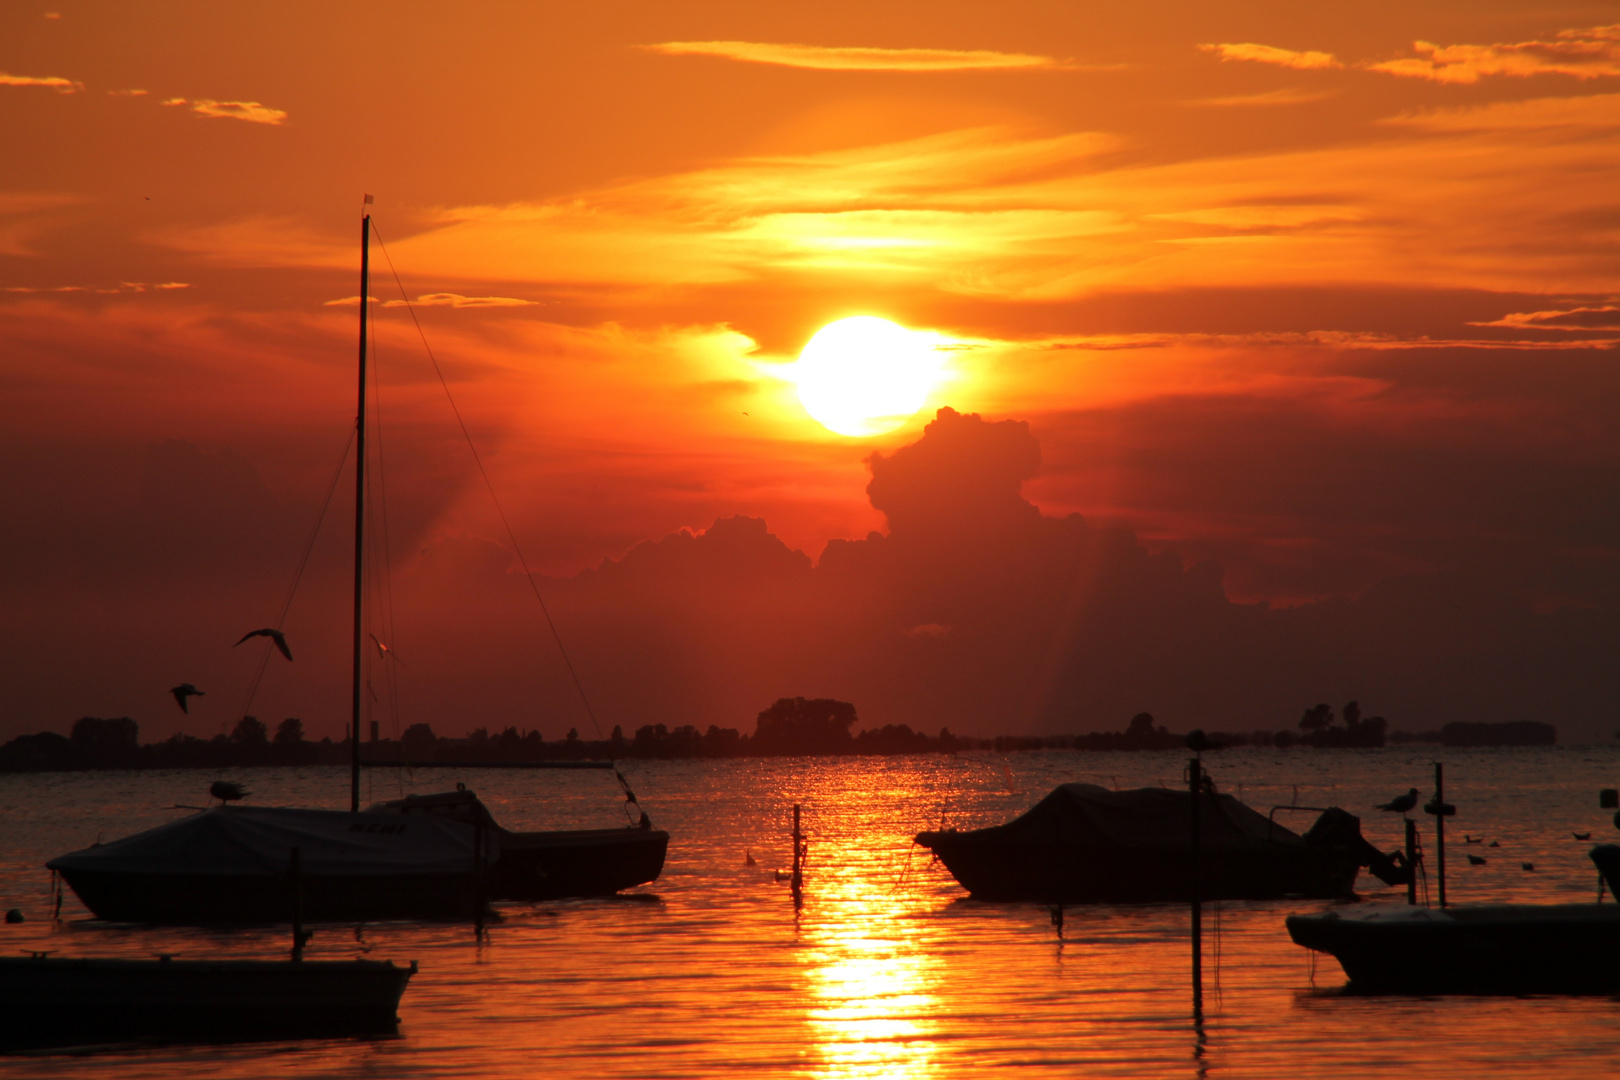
column 865, row 376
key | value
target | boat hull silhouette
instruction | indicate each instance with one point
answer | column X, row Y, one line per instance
column 1085, row 844
column 586, row 862
column 56, row 1001
column 1475, row 948
column 1471, row 949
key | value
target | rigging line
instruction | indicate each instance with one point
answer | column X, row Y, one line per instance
column 303, row 564
column 501, row 511
column 386, row 606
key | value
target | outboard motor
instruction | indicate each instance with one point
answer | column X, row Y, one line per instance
column 1339, row 830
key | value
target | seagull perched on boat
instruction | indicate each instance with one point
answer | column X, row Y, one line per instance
column 274, row 635
column 228, row 790
column 183, row 691
column 1400, row 804
column 1476, row 860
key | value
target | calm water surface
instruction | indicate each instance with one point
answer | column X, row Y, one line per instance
column 888, row 971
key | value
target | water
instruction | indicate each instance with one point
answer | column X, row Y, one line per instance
column 888, row 971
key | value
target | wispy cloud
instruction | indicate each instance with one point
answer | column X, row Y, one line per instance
column 855, row 58
column 121, row 287
column 127, row 93
column 53, row 82
column 1285, row 96
column 1583, row 54
column 1605, row 318
column 454, row 300
column 1270, row 54
column 251, row 111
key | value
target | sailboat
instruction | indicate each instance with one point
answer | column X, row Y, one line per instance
column 434, row 856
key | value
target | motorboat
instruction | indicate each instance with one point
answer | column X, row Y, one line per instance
column 52, row 1001
column 1474, row 948
column 1086, row 844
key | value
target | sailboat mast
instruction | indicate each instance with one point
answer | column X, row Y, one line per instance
column 359, row 512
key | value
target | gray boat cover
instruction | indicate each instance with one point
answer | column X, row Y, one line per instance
column 258, row 840
column 1087, row 816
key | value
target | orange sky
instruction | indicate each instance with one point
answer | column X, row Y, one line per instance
column 1327, row 295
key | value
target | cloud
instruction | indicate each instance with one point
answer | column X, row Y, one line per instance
column 349, row 301
column 856, row 58
column 128, row 93
column 1001, row 213
column 251, row 111
column 1270, row 54
column 60, row 85
column 1606, row 317
column 1285, row 96
column 453, row 300
column 121, row 287
column 1583, row 54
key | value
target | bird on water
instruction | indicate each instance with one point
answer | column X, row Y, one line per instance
column 183, row 691
column 1476, row 860
column 1400, row 804
column 274, row 635
column 1581, row 835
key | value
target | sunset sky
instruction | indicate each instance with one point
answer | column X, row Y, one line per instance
column 1310, row 311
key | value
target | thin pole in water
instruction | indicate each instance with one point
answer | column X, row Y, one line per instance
column 1411, row 861
column 1195, row 781
column 1440, row 827
column 295, row 881
column 359, row 513
column 798, row 860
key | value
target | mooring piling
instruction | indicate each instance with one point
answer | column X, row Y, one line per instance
column 1195, row 782
column 1411, row 861
column 798, row 860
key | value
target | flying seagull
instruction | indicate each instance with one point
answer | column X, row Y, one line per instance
column 183, row 691
column 274, row 635
column 1400, row 804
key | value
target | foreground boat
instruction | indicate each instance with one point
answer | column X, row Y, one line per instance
column 233, row 864
column 445, row 859
column 548, row 865
column 1474, row 948
column 53, row 1001
column 1086, row 844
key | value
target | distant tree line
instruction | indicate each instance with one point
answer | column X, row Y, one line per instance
column 790, row 727
column 96, row 743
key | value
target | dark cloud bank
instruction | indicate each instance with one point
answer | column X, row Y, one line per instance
column 979, row 612
column 975, row 611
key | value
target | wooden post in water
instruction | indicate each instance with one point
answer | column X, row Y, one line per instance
column 798, row 860
column 1411, row 861
column 295, row 882
column 478, row 880
column 1440, row 827
column 1195, row 781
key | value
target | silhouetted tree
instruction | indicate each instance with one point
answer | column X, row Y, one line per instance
column 290, row 732
column 419, row 741
column 250, row 732
column 805, row 726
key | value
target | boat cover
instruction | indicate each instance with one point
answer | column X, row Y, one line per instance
column 1087, row 816
column 253, row 840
